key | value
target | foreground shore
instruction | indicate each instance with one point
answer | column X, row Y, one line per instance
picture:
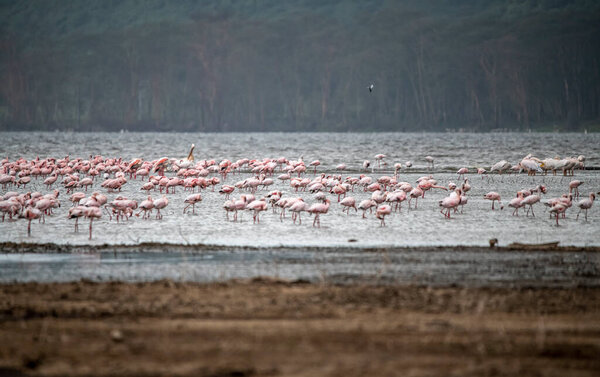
column 265, row 327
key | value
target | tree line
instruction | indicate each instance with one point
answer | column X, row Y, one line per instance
column 306, row 67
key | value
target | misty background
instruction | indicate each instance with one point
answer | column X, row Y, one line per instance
column 218, row 65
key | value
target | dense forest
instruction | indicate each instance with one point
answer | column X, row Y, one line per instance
column 224, row 65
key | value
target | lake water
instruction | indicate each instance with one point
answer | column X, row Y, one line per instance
column 424, row 226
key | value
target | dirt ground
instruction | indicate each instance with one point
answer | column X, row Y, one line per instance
column 265, row 327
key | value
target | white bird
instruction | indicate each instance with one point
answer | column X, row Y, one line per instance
column 371, row 87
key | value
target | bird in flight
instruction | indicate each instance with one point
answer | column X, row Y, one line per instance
column 371, row 88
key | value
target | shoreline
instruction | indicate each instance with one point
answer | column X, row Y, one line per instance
column 37, row 248
column 271, row 327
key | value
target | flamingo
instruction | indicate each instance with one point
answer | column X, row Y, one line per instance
column 396, row 197
column 315, row 163
column 160, row 204
column 365, row 205
column 493, row 196
column 501, row 166
column 516, row 203
column 530, row 201
column 257, row 206
column 296, row 208
column 450, row 202
column 415, row 193
column 461, row 173
column 586, row 204
column 317, row 209
column 382, row 212
column 191, row 200
column 574, row 186
column 379, row 158
column 31, row 213
column 429, row 160
column 146, row 206
column 227, row 190
column 92, row 213
column 348, row 202
column 76, row 213
column 557, row 209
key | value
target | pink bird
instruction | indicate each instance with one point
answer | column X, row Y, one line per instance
column 415, row 194
column 516, row 203
column 365, row 205
column 349, row 202
column 315, row 163
column 257, row 207
column 382, row 212
column 226, row 190
column 396, row 197
column 191, row 200
column 586, row 204
column 530, row 201
column 450, row 202
column 146, row 206
column 76, row 213
column 50, row 180
column 493, row 196
column 557, row 210
column 31, row 213
column 296, row 209
column 92, row 213
column 461, row 172
column 160, row 204
column 317, row 209
column 574, row 186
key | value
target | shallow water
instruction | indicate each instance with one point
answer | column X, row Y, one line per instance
column 415, row 227
column 422, row 267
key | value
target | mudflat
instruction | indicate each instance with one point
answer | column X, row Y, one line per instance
column 267, row 327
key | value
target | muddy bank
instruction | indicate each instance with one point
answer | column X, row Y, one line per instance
column 26, row 247
column 266, row 327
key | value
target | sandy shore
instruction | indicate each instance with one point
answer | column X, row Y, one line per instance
column 267, row 327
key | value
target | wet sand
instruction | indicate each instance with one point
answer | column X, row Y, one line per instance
column 267, row 327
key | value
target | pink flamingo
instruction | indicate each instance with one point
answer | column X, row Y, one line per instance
column 461, row 173
column 586, row 204
column 315, row 163
column 297, row 208
column 92, row 213
column 227, row 190
column 574, row 186
column 191, row 200
column 516, row 203
column 76, row 198
column 415, row 194
column 382, row 212
column 348, row 202
column 450, row 202
column 257, row 206
column 338, row 190
column 558, row 209
column 396, row 197
column 160, row 204
column 379, row 158
column 76, row 213
column 31, row 213
column 530, row 201
column 493, row 196
column 146, row 206
column 50, row 180
column 317, row 209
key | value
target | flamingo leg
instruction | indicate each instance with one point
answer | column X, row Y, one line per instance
column 91, row 219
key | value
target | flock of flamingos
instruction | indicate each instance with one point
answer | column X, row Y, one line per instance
column 165, row 175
